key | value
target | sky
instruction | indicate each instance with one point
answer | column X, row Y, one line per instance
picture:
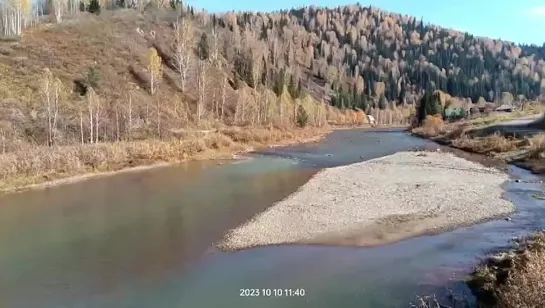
column 519, row 21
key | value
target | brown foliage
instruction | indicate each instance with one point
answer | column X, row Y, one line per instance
column 431, row 127
column 513, row 279
column 490, row 144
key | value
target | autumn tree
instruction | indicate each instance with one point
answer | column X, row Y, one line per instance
column 181, row 46
column 155, row 69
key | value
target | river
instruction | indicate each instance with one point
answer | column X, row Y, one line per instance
column 146, row 239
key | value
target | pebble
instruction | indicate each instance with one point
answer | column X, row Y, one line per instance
column 363, row 193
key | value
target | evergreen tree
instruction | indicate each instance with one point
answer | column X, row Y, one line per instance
column 203, row 47
column 94, row 7
column 292, row 87
column 302, row 116
column 382, row 104
column 402, row 94
column 279, row 82
column 430, row 104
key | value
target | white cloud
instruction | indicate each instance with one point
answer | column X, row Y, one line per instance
column 536, row 12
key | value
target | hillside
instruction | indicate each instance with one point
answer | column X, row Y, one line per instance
column 127, row 86
column 366, row 50
column 136, row 71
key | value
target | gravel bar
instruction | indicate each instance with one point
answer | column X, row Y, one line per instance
column 386, row 199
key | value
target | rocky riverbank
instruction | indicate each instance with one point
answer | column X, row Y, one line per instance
column 380, row 201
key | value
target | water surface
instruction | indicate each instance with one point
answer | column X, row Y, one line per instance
column 146, row 239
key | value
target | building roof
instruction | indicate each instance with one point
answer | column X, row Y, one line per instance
column 504, row 107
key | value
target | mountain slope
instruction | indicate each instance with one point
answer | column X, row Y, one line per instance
column 366, row 50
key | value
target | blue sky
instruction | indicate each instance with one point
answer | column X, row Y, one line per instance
column 521, row 21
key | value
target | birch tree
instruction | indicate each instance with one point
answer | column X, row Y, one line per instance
column 92, row 106
column 181, row 45
column 214, row 48
column 15, row 15
column 201, row 84
column 155, row 69
column 129, row 111
column 51, row 89
column 58, row 7
column 223, row 95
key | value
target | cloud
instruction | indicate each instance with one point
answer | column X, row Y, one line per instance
column 536, row 12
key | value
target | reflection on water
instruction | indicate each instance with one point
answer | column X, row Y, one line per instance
column 145, row 239
column 66, row 244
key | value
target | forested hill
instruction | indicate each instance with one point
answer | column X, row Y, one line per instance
column 364, row 52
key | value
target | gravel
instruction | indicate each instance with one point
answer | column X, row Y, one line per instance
column 427, row 190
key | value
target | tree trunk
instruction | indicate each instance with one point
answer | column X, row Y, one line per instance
column 223, row 86
column 130, row 117
column 116, row 123
column 3, row 141
column 49, row 124
column 158, row 119
column 91, row 122
column 81, row 124
column 97, row 120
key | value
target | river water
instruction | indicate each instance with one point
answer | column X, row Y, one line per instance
column 146, row 239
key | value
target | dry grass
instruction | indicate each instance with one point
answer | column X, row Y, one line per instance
column 484, row 145
column 432, row 127
column 536, row 146
column 34, row 165
column 514, row 279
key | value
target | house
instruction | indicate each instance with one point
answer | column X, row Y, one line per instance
column 504, row 108
column 371, row 119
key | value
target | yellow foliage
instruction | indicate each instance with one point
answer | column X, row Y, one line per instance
column 154, row 63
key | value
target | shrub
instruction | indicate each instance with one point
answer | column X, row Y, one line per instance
column 513, row 279
column 536, row 145
column 94, row 7
column 302, row 116
column 431, row 127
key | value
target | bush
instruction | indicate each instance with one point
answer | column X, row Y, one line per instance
column 94, row 7
column 431, row 127
column 302, row 116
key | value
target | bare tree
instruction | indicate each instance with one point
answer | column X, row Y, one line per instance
column 181, row 45
column 81, row 124
column 58, row 7
column 158, row 111
column 214, row 48
column 223, row 94
column 51, row 92
column 129, row 113
column 93, row 105
column 117, row 134
column 3, row 133
column 97, row 116
column 201, row 83
column 15, row 15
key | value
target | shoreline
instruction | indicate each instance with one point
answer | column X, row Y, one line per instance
column 378, row 202
column 512, row 277
column 210, row 154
